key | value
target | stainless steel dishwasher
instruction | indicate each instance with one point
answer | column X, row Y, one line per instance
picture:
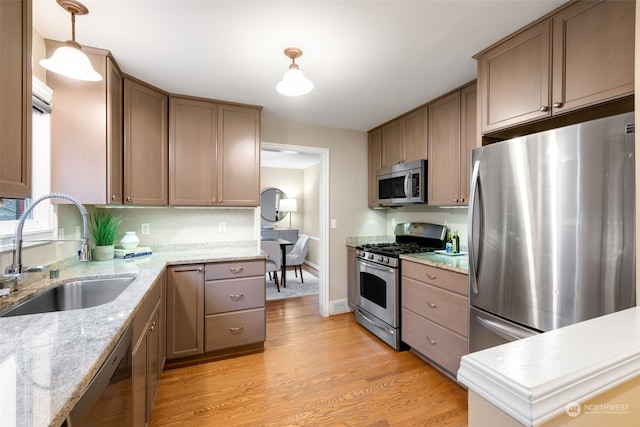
column 108, row 400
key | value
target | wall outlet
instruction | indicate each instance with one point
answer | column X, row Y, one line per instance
column 222, row 227
column 145, row 228
column 334, row 223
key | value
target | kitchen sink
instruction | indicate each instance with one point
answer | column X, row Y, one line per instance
column 81, row 293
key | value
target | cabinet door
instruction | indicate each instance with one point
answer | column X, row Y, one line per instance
column 153, row 360
column 192, row 152
column 114, row 134
column 351, row 277
column 469, row 137
column 444, row 151
column 392, row 145
column 145, row 144
column 514, row 79
column 415, row 135
column 79, row 130
column 593, row 53
column 238, row 155
column 185, row 311
column 139, row 380
column 15, row 101
column 375, row 163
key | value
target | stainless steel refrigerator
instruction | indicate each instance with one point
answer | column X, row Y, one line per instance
column 551, row 230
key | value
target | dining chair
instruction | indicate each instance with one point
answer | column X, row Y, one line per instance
column 298, row 254
column 274, row 259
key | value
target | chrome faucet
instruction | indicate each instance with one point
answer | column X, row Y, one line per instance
column 84, row 254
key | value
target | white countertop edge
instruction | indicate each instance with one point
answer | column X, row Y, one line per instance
column 533, row 399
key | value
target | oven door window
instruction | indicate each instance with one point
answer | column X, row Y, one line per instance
column 373, row 289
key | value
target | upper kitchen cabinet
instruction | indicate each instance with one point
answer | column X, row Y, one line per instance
column 214, row 153
column 15, row 102
column 145, row 144
column 580, row 56
column 452, row 134
column 86, row 131
column 375, row 163
column 405, row 139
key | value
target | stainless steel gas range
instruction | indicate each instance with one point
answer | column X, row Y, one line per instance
column 378, row 286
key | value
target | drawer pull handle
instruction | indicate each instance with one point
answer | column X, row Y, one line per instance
column 236, row 297
column 431, row 304
column 236, row 270
column 236, row 331
column 430, row 341
column 431, row 276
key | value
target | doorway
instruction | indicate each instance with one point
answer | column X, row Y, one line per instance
column 281, row 152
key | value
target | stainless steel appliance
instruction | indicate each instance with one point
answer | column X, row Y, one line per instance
column 403, row 184
column 551, row 230
column 108, row 400
column 378, row 286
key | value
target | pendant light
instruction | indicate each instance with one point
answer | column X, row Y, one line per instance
column 69, row 60
column 294, row 83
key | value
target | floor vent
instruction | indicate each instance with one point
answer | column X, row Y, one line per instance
column 339, row 306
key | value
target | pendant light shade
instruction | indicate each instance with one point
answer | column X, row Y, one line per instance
column 69, row 60
column 294, row 83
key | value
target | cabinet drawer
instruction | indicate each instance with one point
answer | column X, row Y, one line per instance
column 438, row 344
column 456, row 282
column 234, row 329
column 227, row 270
column 233, row 294
column 444, row 307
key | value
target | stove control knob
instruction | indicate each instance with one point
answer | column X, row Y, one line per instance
column 370, row 256
column 380, row 259
column 386, row 260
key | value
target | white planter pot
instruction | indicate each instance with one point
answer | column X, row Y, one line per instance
column 102, row 253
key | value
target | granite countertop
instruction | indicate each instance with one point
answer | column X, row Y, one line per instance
column 457, row 263
column 47, row 360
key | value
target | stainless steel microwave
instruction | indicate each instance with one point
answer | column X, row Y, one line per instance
column 402, row 184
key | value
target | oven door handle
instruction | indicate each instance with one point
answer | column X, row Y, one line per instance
column 387, row 330
column 374, row 266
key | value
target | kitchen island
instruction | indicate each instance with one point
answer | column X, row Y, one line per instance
column 48, row 360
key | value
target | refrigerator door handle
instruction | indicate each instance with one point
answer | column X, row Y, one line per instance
column 475, row 176
column 505, row 331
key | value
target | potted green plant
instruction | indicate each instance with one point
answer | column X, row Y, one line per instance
column 104, row 228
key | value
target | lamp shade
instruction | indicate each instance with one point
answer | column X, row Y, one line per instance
column 294, row 83
column 288, row 205
column 71, row 62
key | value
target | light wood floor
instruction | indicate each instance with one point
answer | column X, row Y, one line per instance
column 314, row 371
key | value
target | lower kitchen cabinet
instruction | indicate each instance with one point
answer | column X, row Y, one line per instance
column 148, row 352
column 351, row 277
column 215, row 307
column 234, row 304
column 185, row 318
column 435, row 314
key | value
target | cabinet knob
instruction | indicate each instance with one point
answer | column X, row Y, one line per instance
column 113, row 197
column 461, row 200
column 129, row 199
column 199, row 269
column 455, row 200
column 544, row 108
column 236, row 270
column 431, row 305
column 430, row 341
column 432, row 277
column 236, row 331
column 557, row 104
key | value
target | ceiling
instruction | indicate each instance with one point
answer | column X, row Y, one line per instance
column 370, row 61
